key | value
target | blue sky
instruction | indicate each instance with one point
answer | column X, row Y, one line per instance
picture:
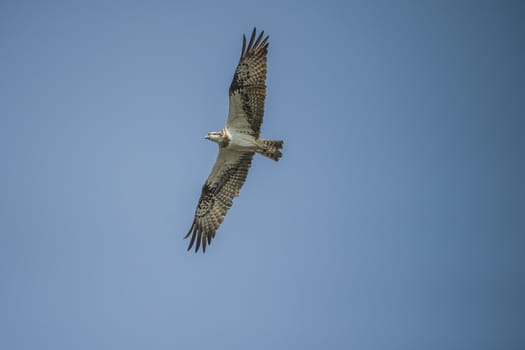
column 395, row 219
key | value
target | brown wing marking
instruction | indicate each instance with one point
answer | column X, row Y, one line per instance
column 224, row 183
column 248, row 88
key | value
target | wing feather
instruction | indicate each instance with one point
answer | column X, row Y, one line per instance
column 223, row 184
column 248, row 87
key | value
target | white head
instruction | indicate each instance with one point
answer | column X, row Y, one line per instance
column 216, row 136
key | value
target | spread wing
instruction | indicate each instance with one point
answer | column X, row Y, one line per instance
column 248, row 88
column 224, row 183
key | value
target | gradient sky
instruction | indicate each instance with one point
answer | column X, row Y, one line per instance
column 395, row 219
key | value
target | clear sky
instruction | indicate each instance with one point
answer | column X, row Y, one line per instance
column 395, row 219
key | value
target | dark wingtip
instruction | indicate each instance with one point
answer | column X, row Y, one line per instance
column 243, row 45
column 255, row 44
column 252, row 38
column 192, row 231
column 259, row 38
column 204, row 245
column 198, row 244
column 192, row 241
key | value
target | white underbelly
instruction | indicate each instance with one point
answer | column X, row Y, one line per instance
column 241, row 141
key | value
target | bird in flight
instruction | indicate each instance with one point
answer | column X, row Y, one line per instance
column 238, row 142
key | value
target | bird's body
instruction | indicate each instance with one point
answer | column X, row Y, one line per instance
column 233, row 140
column 238, row 142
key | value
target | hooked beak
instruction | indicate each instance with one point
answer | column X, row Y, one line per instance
column 207, row 137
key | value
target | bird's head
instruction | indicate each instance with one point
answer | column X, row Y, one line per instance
column 216, row 136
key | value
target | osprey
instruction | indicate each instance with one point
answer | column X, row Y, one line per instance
column 238, row 142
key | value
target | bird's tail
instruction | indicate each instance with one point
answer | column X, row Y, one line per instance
column 269, row 148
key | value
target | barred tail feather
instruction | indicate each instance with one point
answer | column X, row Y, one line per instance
column 270, row 148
